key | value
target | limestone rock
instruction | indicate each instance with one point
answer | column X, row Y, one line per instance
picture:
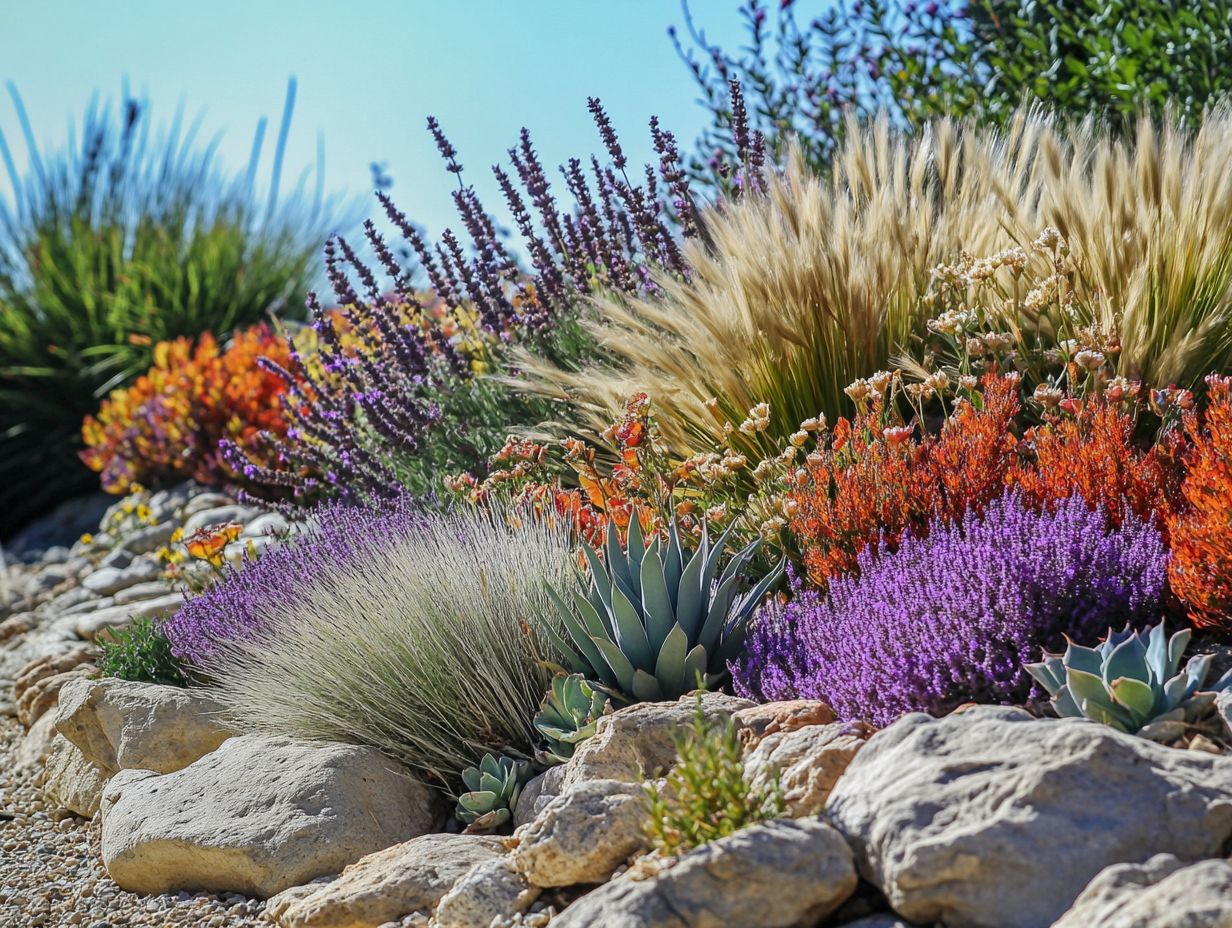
column 808, row 762
column 1161, row 893
column 492, row 889
column 37, row 687
column 256, row 816
column 993, row 819
column 124, row 725
column 16, row 625
column 90, row 624
column 141, row 592
column 393, row 882
column 36, row 745
column 70, row 780
column 638, row 741
column 782, row 874
column 583, row 835
column 756, row 722
column 107, row 581
column 219, row 515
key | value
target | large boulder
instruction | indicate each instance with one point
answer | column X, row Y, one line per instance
column 391, row 883
column 1161, row 893
column 72, row 781
column 258, row 815
column 124, row 725
column 583, row 835
column 782, row 874
column 639, row 741
column 806, row 761
column 990, row 818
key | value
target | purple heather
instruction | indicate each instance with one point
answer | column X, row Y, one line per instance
column 952, row 617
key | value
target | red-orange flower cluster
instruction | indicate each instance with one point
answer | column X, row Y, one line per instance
column 168, row 424
column 1201, row 525
column 876, row 483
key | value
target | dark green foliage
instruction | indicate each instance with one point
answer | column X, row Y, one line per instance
column 108, row 248
column 141, row 653
column 917, row 60
column 1113, row 58
column 706, row 795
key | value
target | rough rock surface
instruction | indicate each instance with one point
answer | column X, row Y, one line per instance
column 405, row 878
column 37, row 687
column 122, row 725
column 71, row 780
column 583, row 835
column 491, row 890
column 51, row 875
column 993, row 819
column 638, row 741
column 783, row 874
column 257, row 816
column 808, row 762
column 1161, row 893
column 770, row 718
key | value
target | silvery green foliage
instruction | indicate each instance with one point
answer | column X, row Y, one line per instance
column 1132, row 681
column 416, row 633
column 568, row 715
column 492, row 793
column 651, row 621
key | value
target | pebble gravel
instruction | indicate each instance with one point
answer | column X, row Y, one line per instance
column 51, row 872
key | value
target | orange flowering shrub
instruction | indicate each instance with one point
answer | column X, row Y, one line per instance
column 875, row 480
column 1201, row 526
column 1092, row 452
column 168, row 424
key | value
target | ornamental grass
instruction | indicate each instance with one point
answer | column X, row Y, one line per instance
column 794, row 293
column 413, row 633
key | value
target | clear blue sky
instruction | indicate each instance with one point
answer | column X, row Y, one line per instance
column 369, row 73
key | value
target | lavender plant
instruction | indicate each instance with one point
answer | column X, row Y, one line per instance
column 952, row 617
column 381, row 388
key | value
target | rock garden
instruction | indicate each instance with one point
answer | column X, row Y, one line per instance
column 829, row 528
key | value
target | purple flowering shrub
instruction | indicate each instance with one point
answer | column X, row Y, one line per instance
column 237, row 606
column 952, row 617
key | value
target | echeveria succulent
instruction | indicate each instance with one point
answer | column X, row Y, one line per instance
column 1132, row 681
column 493, row 790
column 568, row 715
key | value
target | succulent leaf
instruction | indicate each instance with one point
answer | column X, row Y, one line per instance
column 653, row 619
column 1131, row 681
column 494, row 786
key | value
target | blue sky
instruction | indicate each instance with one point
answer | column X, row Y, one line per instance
column 368, row 75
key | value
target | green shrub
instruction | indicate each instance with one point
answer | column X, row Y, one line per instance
column 917, row 60
column 140, row 653
column 707, row 795
column 109, row 248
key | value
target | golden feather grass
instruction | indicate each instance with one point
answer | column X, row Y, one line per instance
column 799, row 292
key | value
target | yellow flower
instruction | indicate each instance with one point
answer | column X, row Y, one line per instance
column 86, row 539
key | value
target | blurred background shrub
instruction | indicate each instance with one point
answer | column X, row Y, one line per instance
column 125, row 238
column 921, row 59
column 167, row 425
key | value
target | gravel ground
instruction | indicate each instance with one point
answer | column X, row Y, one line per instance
column 51, row 873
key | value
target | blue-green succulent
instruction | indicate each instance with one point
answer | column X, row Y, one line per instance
column 492, row 793
column 652, row 621
column 1132, row 681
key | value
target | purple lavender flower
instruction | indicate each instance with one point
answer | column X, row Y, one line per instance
column 952, row 617
column 230, row 610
